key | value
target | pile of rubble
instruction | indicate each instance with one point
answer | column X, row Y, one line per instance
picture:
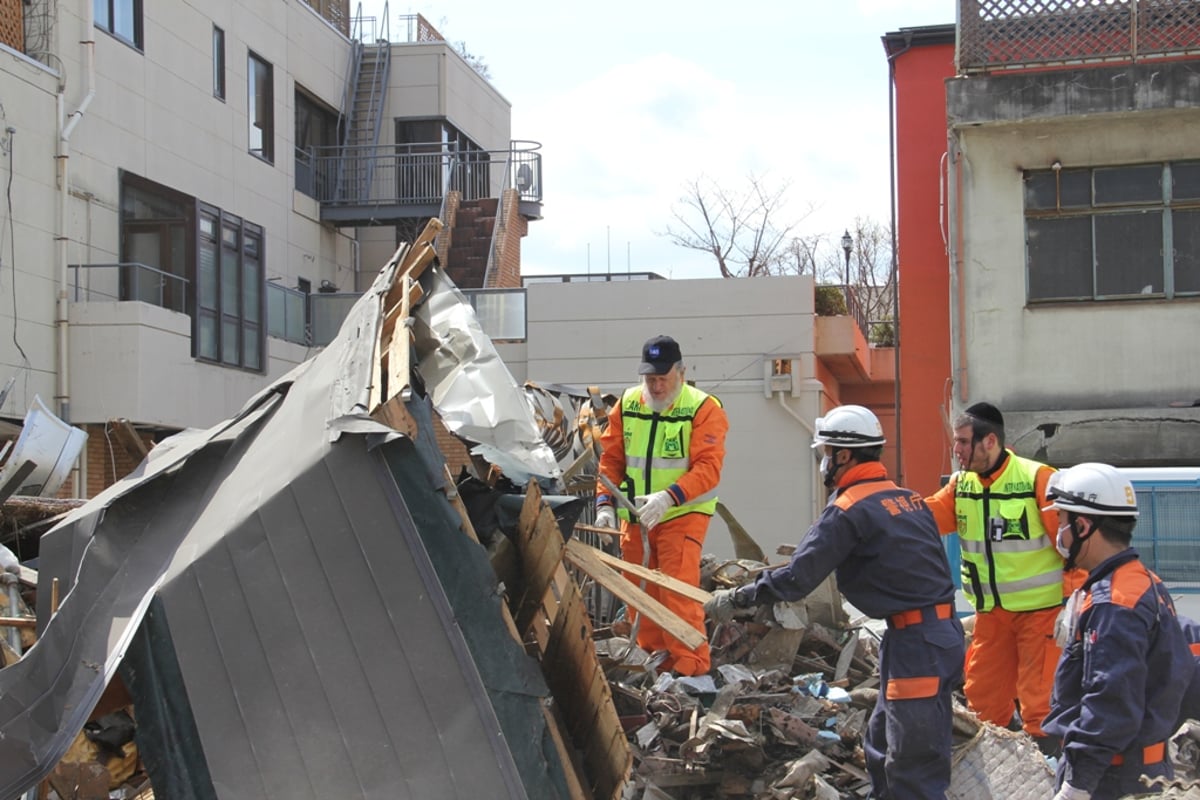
column 782, row 714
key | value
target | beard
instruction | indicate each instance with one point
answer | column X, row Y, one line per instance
column 659, row 406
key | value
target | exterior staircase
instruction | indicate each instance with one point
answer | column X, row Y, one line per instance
column 366, row 85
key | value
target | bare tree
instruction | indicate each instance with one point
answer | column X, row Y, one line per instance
column 737, row 227
column 474, row 61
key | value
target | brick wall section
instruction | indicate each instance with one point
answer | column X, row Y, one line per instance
column 456, row 453
column 12, row 24
column 107, row 460
column 508, row 266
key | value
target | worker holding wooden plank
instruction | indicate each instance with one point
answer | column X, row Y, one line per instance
column 664, row 446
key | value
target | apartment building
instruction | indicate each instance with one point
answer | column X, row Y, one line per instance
column 197, row 191
column 1048, row 206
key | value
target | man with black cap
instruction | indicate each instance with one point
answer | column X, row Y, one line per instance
column 664, row 446
column 1011, row 572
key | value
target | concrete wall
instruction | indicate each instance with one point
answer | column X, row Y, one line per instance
column 1100, row 377
column 153, row 113
column 583, row 334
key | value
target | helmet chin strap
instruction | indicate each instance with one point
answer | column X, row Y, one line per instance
column 1076, row 541
column 830, row 468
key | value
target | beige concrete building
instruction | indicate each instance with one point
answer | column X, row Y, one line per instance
column 196, row 192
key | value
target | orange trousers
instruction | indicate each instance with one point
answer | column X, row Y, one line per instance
column 1012, row 655
column 675, row 548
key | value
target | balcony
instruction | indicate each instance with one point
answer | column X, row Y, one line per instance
column 130, row 351
column 843, row 338
column 365, row 185
column 996, row 35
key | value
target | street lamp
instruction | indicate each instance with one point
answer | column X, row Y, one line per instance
column 847, row 246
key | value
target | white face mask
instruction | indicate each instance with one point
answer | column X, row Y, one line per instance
column 1059, row 545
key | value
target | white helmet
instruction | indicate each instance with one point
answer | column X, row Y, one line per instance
column 1097, row 490
column 848, row 426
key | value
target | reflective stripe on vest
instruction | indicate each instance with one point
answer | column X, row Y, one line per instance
column 1009, row 560
column 657, row 447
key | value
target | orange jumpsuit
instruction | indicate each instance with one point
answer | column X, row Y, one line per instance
column 676, row 544
column 1013, row 654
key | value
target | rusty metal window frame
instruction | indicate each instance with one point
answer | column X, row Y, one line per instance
column 1111, row 220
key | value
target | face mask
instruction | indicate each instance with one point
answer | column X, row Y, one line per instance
column 1062, row 548
column 828, row 470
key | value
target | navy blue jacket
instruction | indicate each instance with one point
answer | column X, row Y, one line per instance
column 1122, row 673
column 881, row 539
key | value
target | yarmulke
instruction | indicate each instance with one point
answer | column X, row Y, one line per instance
column 988, row 413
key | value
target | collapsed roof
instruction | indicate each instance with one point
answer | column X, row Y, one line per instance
column 289, row 596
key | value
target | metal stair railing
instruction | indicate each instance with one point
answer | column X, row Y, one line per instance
column 361, row 117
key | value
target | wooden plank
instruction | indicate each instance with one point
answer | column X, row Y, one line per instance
column 682, row 588
column 554, row 726
column 393, row 414
column 128, row 437
column 634, row 597
column 398, row 352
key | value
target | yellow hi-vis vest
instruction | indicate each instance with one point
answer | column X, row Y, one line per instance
column 1008, row 556
column 657, row 448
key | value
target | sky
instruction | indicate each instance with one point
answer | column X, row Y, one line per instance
column 634, row 102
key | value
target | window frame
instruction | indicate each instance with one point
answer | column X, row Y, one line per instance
column 245, row 316
column 1055, row 214
column 218, row 55
column 104, row 16
column 267, row 151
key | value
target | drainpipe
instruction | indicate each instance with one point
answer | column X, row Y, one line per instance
column 815, row 386
column 66, row 127
column 354, row 245
column 958, row 335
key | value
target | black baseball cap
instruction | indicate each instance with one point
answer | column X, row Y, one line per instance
column 659, row 355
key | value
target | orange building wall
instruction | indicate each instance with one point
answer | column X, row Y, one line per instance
column 920, row 111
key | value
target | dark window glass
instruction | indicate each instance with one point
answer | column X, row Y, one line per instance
column 261, row 108
column 1185, row 179
column 218, row 56
column 1054, row 189
column 1129, row 254
column 1060, row 258
column 316, row 130
column 1121, row 185
column 121, row 18
column 1126, row 223
column 1186, row 234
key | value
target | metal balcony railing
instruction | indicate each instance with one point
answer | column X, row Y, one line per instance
column 129, row 281
column 1009, row 34
column 421, row 174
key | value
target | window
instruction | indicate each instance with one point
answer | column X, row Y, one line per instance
column 316, row 132
column 1109, row 233
column 434, row 156
column 121, row 18
column 218, row 56
column 196, row 259
column 261, row 108
column 229, row 290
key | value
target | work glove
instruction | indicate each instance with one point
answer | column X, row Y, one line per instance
column 724, row 605
column 651, row 507
column 1069, row 792
column 606, row 517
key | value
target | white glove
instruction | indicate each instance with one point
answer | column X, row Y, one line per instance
column 1069, row 792
column 719, row 607
column 652, row 506
column 606, row 517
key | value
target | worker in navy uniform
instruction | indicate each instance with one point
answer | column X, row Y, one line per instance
column 891, row 565
column 1125, row 664
column 1191, row 698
